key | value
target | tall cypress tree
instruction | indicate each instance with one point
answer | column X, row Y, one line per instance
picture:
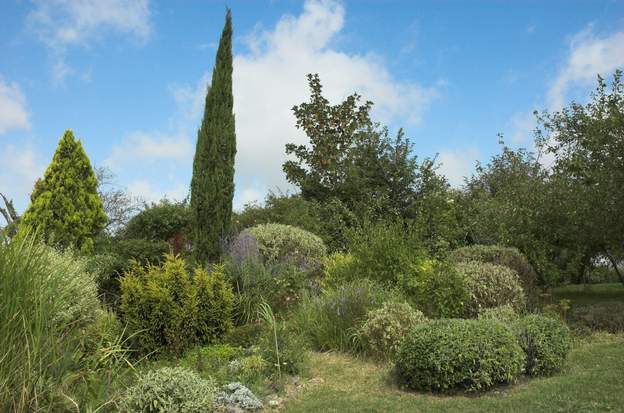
column 212, row 185
column 65, row 207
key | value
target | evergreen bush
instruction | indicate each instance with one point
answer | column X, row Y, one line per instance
column 451, row 354
column 546, row 342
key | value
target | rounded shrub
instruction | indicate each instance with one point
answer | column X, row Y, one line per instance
column 546, row 342
column 385, row 327
column 459, row 354
column 170, row 389
column 490, row 285
column 279, row 243
column 162, row 221
column 506, row 256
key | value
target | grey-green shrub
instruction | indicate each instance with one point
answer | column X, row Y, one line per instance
column 279, row 243
column 459, row 354
column 235, row 396
column 385, row 327
column 490, row 285
column 330, row 320
column 546, row 342
column 170, row 389
column 506, row 256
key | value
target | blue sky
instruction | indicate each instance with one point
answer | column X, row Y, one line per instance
column 129, row 77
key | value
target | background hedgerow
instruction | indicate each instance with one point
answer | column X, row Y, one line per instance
column 474, row 355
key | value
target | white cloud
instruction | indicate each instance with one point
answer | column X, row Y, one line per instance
column 522, row 126
column 271, row 77
column 457, row 164
column 13, row 113
column 589, row 56
column 149, row 147
column 61, row 24
column 21, row 167
column 144, row 190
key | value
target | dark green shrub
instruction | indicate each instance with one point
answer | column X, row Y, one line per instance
column 440, row 291
column 546, row 342
column 385, row 327
column 506, row 256
column 490, row 285
column 162, row 221
column 170, row 390
column 170, row 310
column 600, row 316
column 459, row 354
column 330, row 320
column 245, row 335
column 285, row 244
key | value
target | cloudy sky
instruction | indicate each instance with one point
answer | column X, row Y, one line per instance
column 129, row 77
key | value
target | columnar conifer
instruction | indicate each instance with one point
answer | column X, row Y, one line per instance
column 212, row 185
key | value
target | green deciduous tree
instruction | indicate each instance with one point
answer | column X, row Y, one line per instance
column 587, row 142
column 65, row 207
column 212, row 185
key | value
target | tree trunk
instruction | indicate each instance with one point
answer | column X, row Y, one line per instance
column 615, row 265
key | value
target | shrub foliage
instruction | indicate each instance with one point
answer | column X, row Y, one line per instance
column 170, row 310
column 546, row 342
column 170, row 389
column 459, row 354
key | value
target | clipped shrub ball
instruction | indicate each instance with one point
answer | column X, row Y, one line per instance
column 385, row 327
column 546, row 342
column 506, row 256
column 459, row 354
column 490, row 285
column 170, row 390
column 279, row 243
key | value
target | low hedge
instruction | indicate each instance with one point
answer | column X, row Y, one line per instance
column 459, row 354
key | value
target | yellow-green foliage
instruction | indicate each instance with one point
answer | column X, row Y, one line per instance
column 337, row 268
column 170, row 310
column 65, row 207
column 439, row 290
column 214, row 304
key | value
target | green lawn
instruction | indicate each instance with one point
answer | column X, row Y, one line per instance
column 593, row 381
column 590, row 293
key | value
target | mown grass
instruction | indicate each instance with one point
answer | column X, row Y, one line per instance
column 592, row 381
column 585, row 294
